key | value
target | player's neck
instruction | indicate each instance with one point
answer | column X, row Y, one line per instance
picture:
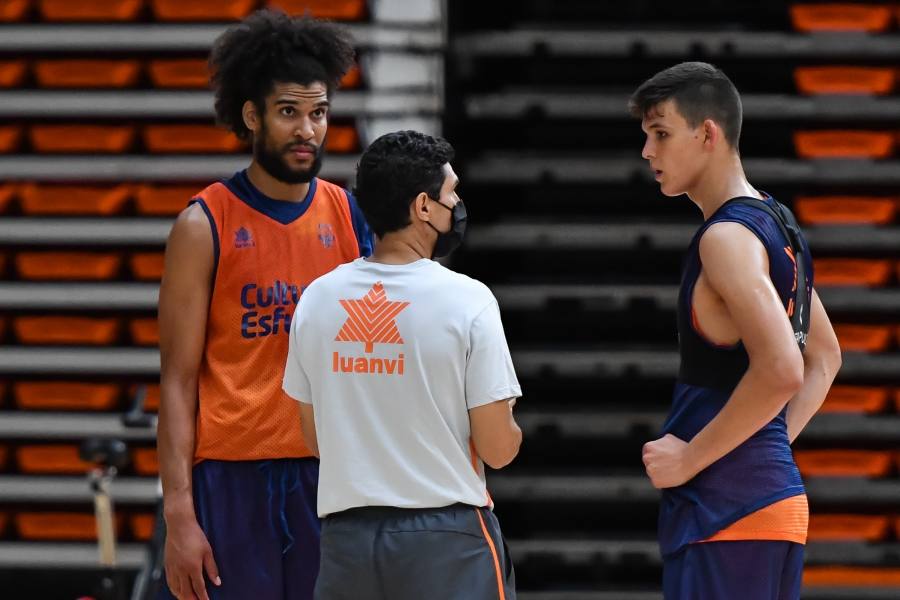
column 273, row 188
column 719, row 184
column 400, row 248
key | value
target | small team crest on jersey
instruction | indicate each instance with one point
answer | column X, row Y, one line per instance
column 326, row 234
column 243, row 238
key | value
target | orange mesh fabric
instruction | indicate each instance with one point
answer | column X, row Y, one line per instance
column 263, row 267
column 786, row 520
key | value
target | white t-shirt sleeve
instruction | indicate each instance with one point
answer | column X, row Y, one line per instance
column 296, row 383
column 490, row 375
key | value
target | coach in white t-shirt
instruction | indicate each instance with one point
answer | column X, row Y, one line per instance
column 406, row 388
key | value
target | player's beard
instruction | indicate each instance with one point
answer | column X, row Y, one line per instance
column 274, row 163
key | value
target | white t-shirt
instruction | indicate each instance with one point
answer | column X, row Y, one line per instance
column 392, row 357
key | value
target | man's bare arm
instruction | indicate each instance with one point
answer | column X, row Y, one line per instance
column 736, row 265
column 821, row 362
column 183, row 309
column 495, row 433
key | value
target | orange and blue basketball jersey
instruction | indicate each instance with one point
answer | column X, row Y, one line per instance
column 760, row 474
column 266, row 253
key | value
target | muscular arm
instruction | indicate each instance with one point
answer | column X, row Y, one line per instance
column 183, row 305
column 821, row 362
column 736, row 265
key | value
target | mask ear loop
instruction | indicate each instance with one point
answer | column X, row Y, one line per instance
column 439, row 232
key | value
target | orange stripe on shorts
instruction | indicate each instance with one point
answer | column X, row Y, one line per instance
column 494, row 553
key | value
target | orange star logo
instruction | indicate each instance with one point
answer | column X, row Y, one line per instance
column 370, row 320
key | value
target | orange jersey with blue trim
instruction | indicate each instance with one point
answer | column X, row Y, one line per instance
column 266, row 253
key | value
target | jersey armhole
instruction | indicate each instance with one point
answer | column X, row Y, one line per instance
column 215, row 238
column 695, row 322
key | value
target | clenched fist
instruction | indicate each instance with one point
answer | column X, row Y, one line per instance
column 667, row 462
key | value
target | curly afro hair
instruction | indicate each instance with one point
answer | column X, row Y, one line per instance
column 269, row 47
column 395, row 169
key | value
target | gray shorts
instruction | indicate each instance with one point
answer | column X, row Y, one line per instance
column 379, row 553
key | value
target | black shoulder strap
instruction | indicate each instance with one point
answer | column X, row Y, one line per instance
column 786, row 221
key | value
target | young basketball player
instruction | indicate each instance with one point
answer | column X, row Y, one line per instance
column 406, row 389
column 239, row 484
column 734, row 515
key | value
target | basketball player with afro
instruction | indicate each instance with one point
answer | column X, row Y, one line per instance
column 239, row 483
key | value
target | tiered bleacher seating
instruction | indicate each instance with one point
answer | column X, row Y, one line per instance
column 106, row 131
column 584, row 255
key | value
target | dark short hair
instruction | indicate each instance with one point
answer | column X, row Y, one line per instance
column 700, row 91
column 269, row 47
column 395, row 169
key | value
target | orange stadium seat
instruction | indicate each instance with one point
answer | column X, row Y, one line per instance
column 202, row 10
column 864, row 338
column 855, row 577
column 145, row 461
column 190, row 138
column 852, row 271
column 8, row 191
column 848, row 528
column 66, row 330
column 69, row 526
column 897, row 400
column 144, row 332
column 65, row 395
column 165, row 199
column 82, row 138
column 845, row 80
column 834, row 16
column 142, row 526
column 151, row 400
column 90, row 10
column 50, row 458
column 87, row 73
column 41, row 199
column 14, row 10
column 68, row 265
column 352, row 79
column 179, row 73
column 845, row 210
column 855, row 399
column 342, row 138
column 194, row 73
column 9, row 137
column 12, row 73
column 147, row 265
column 844, row 144
column 843, row 463
column 341, row 10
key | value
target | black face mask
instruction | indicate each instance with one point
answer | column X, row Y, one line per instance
column 449, row 241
